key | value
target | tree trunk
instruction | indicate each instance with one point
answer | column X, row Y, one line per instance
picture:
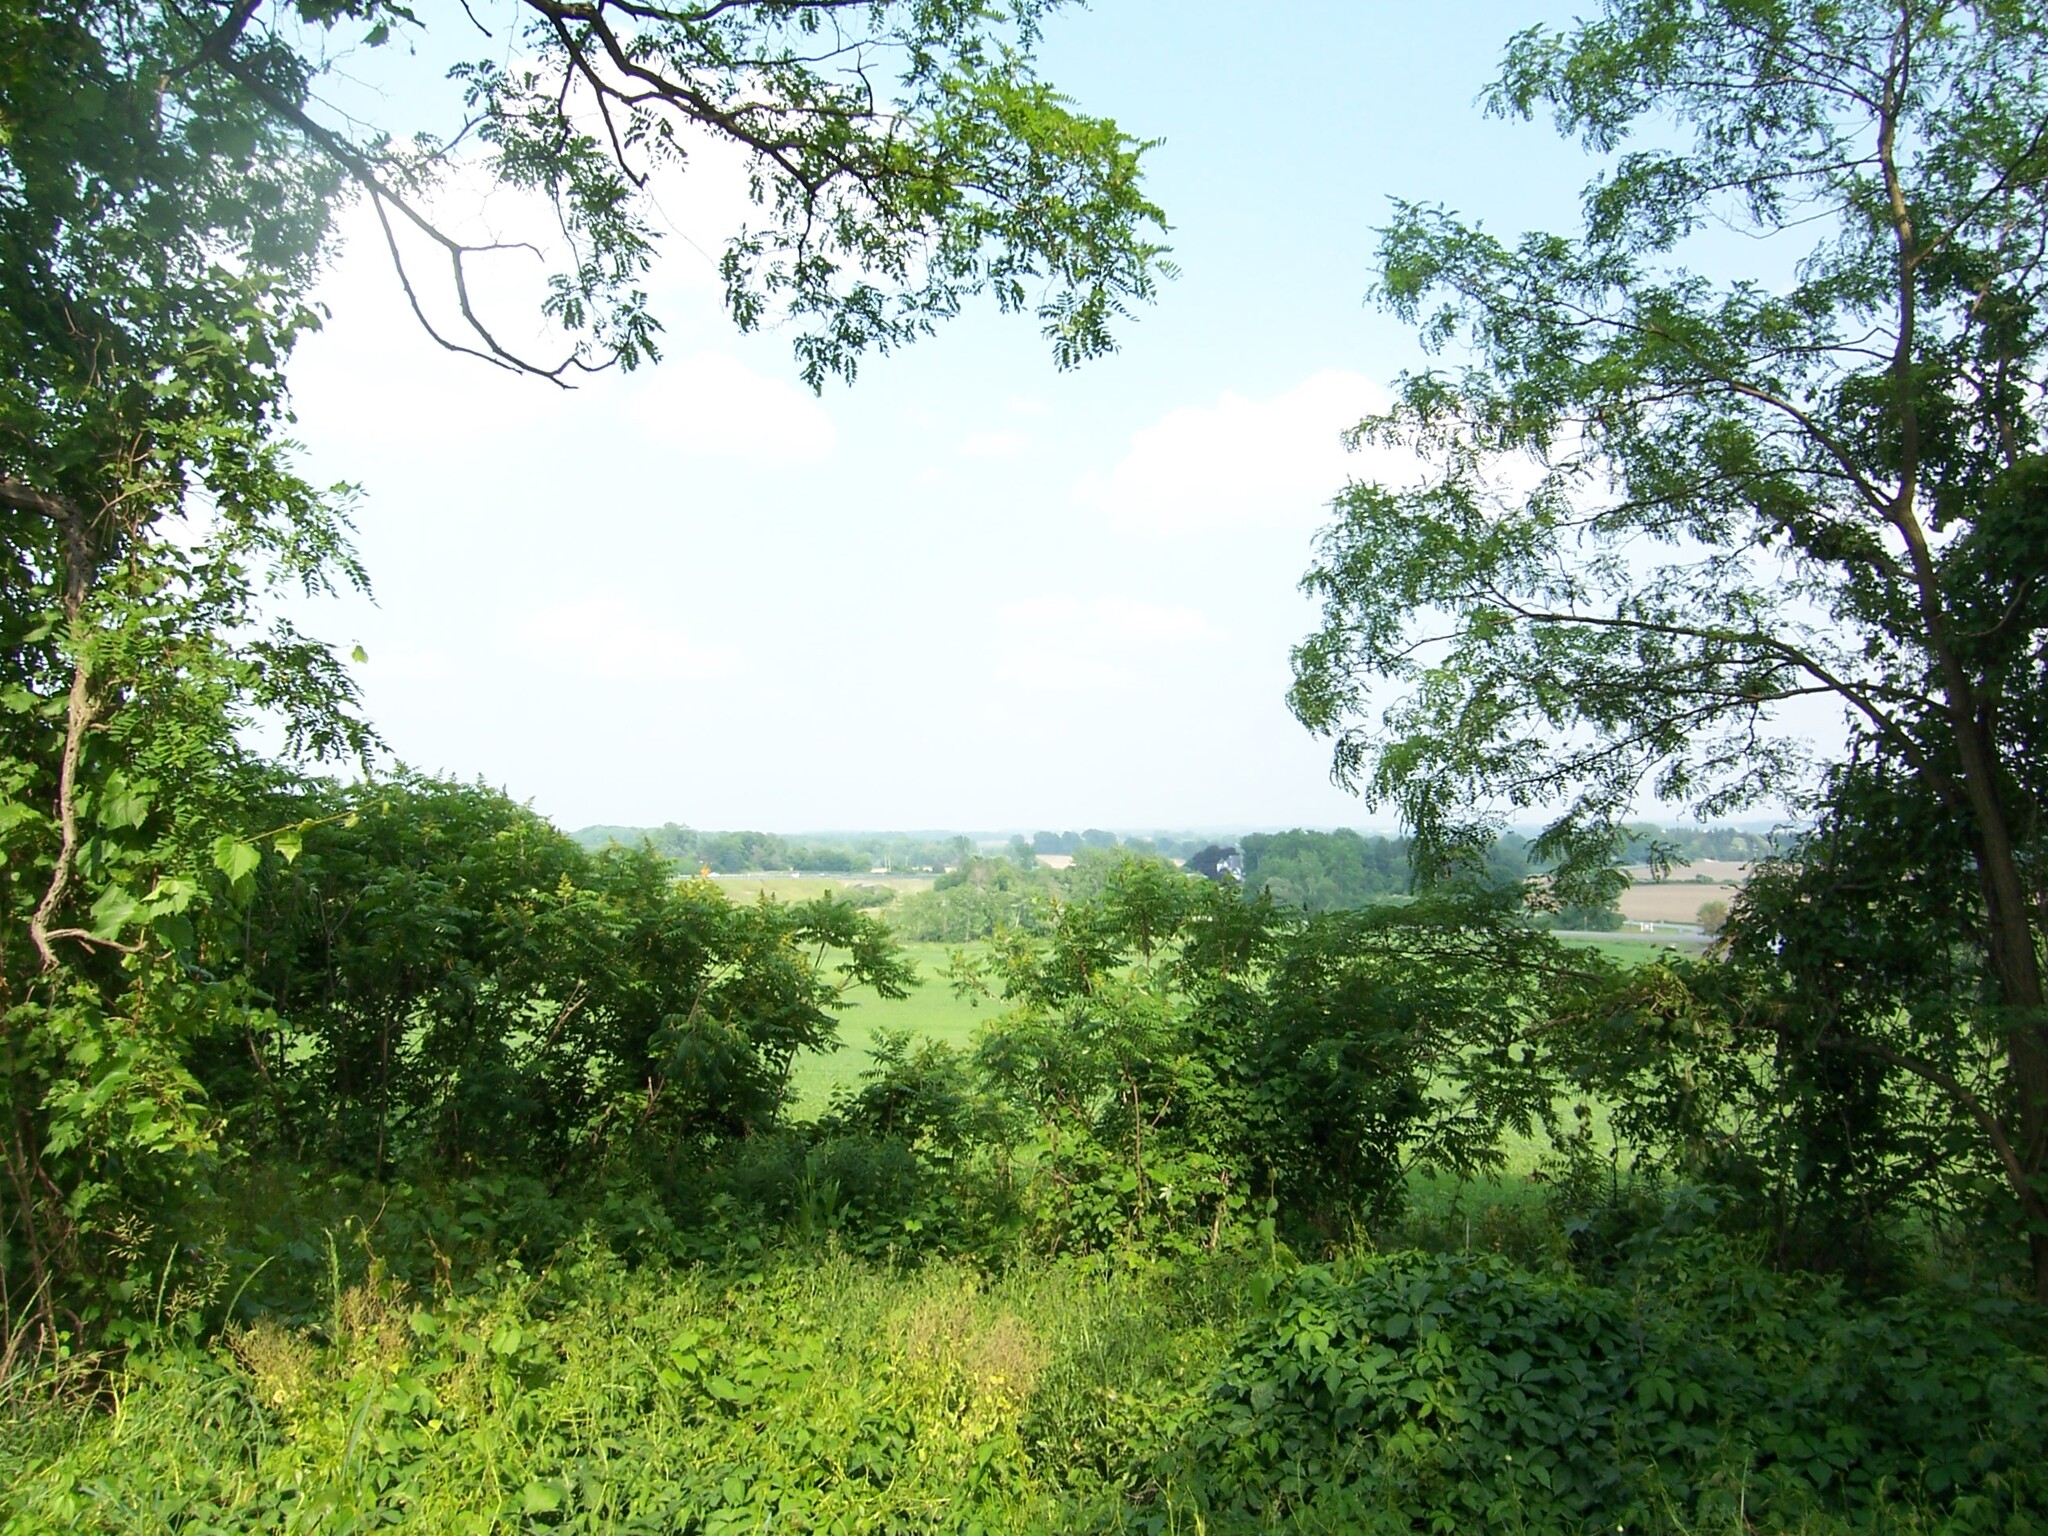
column 2016, row 964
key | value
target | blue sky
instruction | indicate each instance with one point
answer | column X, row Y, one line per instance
column 968, row 591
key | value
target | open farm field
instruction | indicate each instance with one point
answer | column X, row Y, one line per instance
column 1703, row 871
column 1635, row 948
column 1673, row 901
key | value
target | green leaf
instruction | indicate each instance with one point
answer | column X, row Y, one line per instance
column 122, row 804
column 115, row 910
column 289, row 843
column 540, row 1498
column 174, row 931
column 171, row 895
column 234, row 858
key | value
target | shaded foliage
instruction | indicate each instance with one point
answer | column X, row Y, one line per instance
column 1186, row 1053
column 451, row 980
column 1671, row 492
column 1410, row 1390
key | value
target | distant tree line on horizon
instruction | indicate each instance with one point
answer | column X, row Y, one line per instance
column 1320, row 870
column 751, row 852
column 745, row 852
column 754, row 852
column 982, row 889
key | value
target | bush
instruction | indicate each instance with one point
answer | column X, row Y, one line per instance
column 854, row 1182
column 1423, row 1389
column 974, row 902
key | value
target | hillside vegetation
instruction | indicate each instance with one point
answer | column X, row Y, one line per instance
column 377, row 1155
column 1176, row 1204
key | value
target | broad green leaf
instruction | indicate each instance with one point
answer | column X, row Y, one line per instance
column 234, row 858
column 122, row 804
column 115, row 910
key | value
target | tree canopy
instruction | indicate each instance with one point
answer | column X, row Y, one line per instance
column 170, row 177
column 1680, row 478
column 900, row 159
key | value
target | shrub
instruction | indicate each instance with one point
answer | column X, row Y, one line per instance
column 1423, row 1389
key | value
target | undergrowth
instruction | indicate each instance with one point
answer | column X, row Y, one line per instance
column 815, row 1392
column 1674, row 1387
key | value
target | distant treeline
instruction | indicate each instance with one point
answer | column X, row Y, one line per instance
column 1341, row 870
column 1326, row 871
column 1165, row 845
column 1316, row 871
column 741, row 853
column 1336, row 871
column 1687, row 843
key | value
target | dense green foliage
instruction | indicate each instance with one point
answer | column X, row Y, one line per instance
column 157, row 233
column 451, row 979
column 1181, row 1052
column 1673, row 1388
column 977, row 899
column 1048, row 1283
column 1675, row 484
column 739, row 853
column 1690, row 1392
column 374, row 1153
column 818, row 1395
column 1323, row 871
column 170, row 1000
column 425, row 980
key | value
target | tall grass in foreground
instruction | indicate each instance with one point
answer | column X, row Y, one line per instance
column 821, row 1394
column 817, row 1392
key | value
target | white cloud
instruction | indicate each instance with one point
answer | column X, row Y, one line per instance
column 993, row 445
column 1245, row 461
column 1058, row 644
column 610, row 638
column 715, row 405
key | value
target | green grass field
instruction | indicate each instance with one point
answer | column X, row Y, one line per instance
column 932, row 1011
column 1638, row 948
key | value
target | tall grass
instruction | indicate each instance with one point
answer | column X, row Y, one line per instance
column 814, row 1391
column 818, row 1393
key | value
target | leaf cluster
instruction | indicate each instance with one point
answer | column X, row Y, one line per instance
column 1397, row 1390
